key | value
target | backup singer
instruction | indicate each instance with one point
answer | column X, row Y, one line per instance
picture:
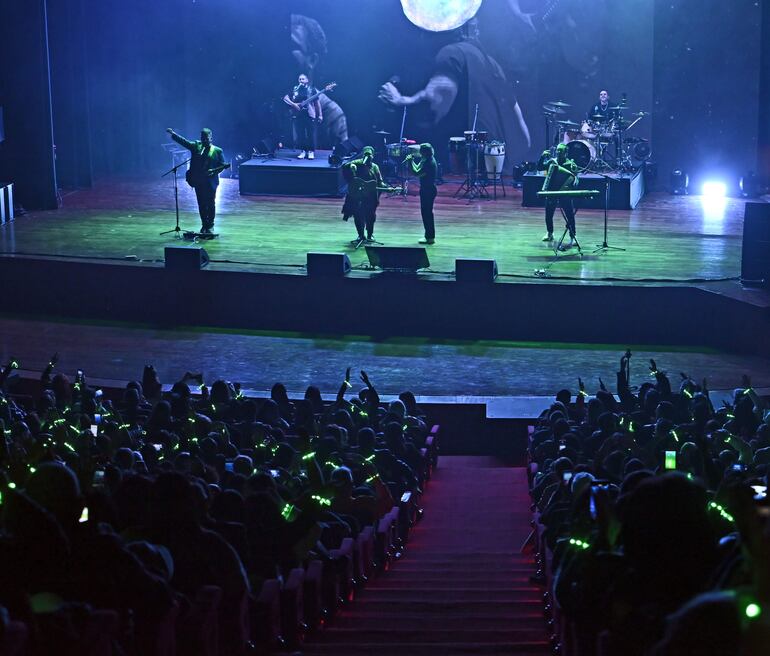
column 362, row 199
column 206, row 160
column 306, row 119
column 561, row 176
column 426, row 169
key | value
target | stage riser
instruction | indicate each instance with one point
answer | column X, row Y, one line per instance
column 384, row 306
column 294, row 178
column 625, row 192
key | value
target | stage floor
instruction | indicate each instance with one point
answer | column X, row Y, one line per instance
column 667, row 238
column 512, row 379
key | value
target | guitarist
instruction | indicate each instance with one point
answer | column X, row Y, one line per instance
column 306, row 120
column 362, row 205
column 206, row 161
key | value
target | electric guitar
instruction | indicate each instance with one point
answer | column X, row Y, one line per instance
column 306, row 103
column 195, row 178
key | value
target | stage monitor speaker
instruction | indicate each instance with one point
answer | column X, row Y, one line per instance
column 473, row 270
column 186, row 258
column 327, row 264
column 755, row 257
column 396, row 258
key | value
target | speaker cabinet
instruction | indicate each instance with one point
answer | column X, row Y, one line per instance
column 327, row 264
column 472, row 270
column 399, row 259
column 186, row 258
column 755, row 257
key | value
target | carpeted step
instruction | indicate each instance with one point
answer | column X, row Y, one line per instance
column 429, row 649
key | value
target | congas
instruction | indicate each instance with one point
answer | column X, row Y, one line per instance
column 457, row 155
column 494, row 156
column 481, row 136
column 582, row 152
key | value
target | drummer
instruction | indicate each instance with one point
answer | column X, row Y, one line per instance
column 602, row 109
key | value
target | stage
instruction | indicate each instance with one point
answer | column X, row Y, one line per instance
column 680, row 254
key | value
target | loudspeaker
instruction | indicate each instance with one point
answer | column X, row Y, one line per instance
column 394, row 258
column 755, row 257
column 327, row 264
column 186, row 258
column 475, row 270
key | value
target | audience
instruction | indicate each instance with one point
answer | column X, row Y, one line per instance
column 137, row 503
column 653, row 509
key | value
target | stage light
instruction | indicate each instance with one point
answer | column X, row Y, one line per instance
column 749, row 185
column 440, row 15
column 714, row 189
column 680, row 182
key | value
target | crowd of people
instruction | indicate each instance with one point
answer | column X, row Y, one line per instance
column 652, row 517
column 135, row 503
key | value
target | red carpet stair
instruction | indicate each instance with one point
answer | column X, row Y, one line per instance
column 462, row 586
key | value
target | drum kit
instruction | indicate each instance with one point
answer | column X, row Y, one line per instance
column 599, row 143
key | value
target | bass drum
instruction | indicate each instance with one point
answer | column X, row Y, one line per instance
column 582, row 152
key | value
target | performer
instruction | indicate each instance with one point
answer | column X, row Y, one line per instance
column 363, row 197
column 426, row 169
column 305, row 124
column 206, row 161
column 561, row 176
column 602, row 107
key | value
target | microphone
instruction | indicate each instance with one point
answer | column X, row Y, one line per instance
column 394, row 80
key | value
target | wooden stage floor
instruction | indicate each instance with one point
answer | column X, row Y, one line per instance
column 667, row 238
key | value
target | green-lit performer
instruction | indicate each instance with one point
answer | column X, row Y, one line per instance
column 206, row 161
column 363, row 197
column 426, row 169
column 561, row 176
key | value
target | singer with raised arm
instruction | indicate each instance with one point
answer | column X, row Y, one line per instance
column 426, row 169
column 206, row 162
column 562, row 175
column 306, row 114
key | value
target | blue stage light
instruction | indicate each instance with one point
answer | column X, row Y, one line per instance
column 714, row 189
column 440, row 15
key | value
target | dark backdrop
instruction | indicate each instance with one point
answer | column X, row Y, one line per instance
column 122, row 72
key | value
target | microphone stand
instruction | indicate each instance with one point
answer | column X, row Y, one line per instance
column 604, row 246
column 176, row 229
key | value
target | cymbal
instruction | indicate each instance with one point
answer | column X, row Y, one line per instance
column 569, row 124
column 553, row 110
column 619, row 108
column 382, row 132
column 599, row 117
column 558, row 103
